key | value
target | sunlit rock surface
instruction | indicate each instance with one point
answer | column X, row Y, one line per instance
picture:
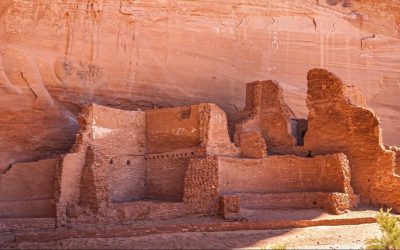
column 56, row 55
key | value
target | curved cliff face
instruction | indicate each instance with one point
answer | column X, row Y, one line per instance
column 57, row 55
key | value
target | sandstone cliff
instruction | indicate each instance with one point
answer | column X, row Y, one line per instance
column 57, row 55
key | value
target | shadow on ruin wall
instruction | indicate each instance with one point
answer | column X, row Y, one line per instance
column 167, row 163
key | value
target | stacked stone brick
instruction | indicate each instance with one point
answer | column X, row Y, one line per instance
column 173, row 162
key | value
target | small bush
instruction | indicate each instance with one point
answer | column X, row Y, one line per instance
column 278, row 247
column 390, row 229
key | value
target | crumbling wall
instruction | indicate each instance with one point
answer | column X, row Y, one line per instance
column 265, row 104
column 117, row 149
column 249, row 138
column 338, row 125
column 284, row 174
column 105, row 165
column 214, row 131
column 201, row 186
column 69, row 171
column 397, row 169
column 396, row 150
column 92, row 190
column 27, row 190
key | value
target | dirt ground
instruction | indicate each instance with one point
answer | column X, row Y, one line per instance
column 324, row 237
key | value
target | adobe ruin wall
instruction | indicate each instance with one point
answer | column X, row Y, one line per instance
column 267, row 110
column 172, row 162
column 284, row 174
column 335, row 124
column 281, row 182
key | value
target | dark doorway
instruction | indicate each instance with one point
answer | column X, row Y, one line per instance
column 299, row 130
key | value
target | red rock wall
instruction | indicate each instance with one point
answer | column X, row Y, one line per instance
column 34, row 135
column 119, row 53
column 27, row 190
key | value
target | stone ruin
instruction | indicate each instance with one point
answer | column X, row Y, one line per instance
column 173, row 162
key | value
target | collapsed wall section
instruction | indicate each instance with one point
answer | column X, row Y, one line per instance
column 266, row 99
column 336, row 124
column 266, row 107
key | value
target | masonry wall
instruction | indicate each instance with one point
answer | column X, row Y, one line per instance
column 165, row 175
column 284, row 174
column 396, row 150
column 105, row 165
column 201, row 127
column 201, row 186
column 248, row 136
column 214, row 131
column 119, row 147
column 266, row 99
column 69, row 172
column 181, row 134
column 338, row 125
column 68, row 179
column 27, row 190
column 335, row 203
column 172, row 129
column 397, row 169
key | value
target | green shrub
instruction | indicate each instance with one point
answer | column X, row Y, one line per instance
column 278, row 247
column 390, row 229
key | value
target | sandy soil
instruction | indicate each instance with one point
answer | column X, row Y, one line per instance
column 326, row 237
